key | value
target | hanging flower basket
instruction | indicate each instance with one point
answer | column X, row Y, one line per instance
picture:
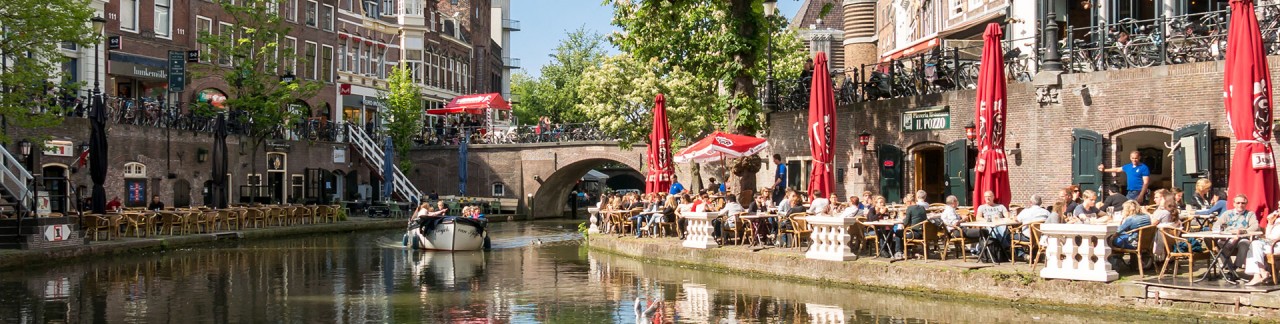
column 342, row 36
column 368, row 43
column 382, row 46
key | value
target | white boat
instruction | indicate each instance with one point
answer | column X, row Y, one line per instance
column 448, row 233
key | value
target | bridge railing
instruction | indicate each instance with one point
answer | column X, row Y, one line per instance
column 518, row 134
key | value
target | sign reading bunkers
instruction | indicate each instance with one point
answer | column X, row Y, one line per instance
column 928, row 118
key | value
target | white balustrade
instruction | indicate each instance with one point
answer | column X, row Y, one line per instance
column 825, row 314
column 595, row 218
column 699, row 229
column 1077, row 252
column 830, row 238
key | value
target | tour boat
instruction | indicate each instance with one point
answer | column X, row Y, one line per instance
column 447, row 233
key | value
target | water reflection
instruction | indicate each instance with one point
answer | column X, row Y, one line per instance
column 534, row 276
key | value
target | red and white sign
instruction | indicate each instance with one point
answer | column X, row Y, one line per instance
column 58, row 148
column 56, row 233
column 344, row 89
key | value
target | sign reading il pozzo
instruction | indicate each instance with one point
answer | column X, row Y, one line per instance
column 928, row 118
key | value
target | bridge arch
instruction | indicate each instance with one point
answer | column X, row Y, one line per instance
column 553, row 190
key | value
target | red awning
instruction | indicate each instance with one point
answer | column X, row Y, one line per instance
column 472, row 104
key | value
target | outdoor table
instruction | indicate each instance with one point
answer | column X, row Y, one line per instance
column 884, row 236
column 754, row 220
column 1202, row 221
column 1214, row 264
column 984, row 241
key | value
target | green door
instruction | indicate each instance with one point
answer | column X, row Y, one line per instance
column 957, row 166
column 890, row 173
column 1086, row 155
column 1190, row 157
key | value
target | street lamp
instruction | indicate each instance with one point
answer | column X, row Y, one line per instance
column 24, row 147
column 98, row 24
column 970, row 133
column 770, row 102
column 864, row 138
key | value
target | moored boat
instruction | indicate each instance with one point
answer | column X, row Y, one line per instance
column 447, row 233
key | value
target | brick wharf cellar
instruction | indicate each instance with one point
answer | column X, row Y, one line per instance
column 1173, row 115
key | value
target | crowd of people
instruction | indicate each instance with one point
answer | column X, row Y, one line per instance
column 1207, row 207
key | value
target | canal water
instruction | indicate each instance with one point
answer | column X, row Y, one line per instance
column 538, row 273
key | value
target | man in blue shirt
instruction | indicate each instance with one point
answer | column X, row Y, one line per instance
column 1137, row 175
column 676, row 187
column 779, row 179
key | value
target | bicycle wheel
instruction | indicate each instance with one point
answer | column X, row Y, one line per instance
column 1141, row 53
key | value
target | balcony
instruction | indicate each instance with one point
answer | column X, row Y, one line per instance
column 511, row 63
column 511, row 25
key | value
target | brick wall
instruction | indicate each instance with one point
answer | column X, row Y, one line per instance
column 1160, row 98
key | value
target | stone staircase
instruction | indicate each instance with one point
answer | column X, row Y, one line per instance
column 369, row 150
column 14, row 196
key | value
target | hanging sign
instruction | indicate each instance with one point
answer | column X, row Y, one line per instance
column 929, row 118
column 177, row 71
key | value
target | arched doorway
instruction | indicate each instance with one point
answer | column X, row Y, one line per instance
column 181, row 193
column 1152, row 145
column 928, row 167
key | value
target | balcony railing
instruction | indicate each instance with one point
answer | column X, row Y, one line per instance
column 511, row 24
column 511, row 62
column 520, row 134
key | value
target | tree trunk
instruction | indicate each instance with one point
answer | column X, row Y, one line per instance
column 744, row 87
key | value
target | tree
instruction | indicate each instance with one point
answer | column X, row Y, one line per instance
column 250, row 59
column 555, row 92
column 31, row 35
column 404, row 107
column 623, row 104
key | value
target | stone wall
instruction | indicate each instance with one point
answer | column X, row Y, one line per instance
column 1111, row 103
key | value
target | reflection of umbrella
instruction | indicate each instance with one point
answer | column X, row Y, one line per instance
column 462, row 163
column 822, row 123
column 719, row 145
column 1248, row 101
column 659, row 157
column 992, row 170
column 98, row 154
column 388, row 165
column 219, row 173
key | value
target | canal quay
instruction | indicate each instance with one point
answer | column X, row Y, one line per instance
column 538, row 272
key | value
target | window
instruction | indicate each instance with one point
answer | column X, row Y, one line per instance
column 311, row 13
column 254, row 179
column 204, row 26
column 351, row 57
column 359, row 60
column 368, row 60
column 499, row 190
column 70, row 73
column 163, row 21
column 309, row 71
column 326, row 63
column 388, row 7
column 129, row 15
column 448, row 28
column 371, row 9
column 70, row 46
column 290, row 61
column 326, row 18
column 342, row 56
column 135, row 170
column 227, row 33
column 290, row 11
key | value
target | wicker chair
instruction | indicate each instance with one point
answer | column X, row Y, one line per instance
column 97, row 224
column 928, row 233
column 1146, row 237
column 959, row 241
column 859, row 233
column 1173, row 236
column 799, row 228
column 171, row 221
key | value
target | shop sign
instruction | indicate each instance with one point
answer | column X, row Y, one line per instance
column 344, row 89
column 114, row 43
column 177, row 71
column 135, row 192
column 135, row 70
column 193, row 56
column 212, row 96
column 57, row 233
column 58, row 148
column 339, row 155
column 42, row 203
column 929, row 118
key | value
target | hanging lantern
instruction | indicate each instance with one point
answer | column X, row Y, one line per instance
column 864, row 138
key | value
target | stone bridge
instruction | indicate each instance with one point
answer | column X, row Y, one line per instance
column 538, row 176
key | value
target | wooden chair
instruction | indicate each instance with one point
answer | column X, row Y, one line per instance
column 1031, row 243
column 1173, row 236
column 799, row 228
column 172, row 221
column 1271, row 260
column 859, row 232
column 231, row 218
column 734, row 232
column 1146, row 237
column 199, row 221
column 97, row 224
column 927, row 232
column 958, row 240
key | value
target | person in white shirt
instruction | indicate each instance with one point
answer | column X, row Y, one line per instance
column 820, row 205
column 1034, row 213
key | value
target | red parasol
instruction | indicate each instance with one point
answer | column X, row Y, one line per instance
column 1248, row 101
column 719, row 145
column 472, row 104
column 659, row 156
column 822, row 122
column 992, row 170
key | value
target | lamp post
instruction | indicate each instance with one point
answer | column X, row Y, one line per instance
column 24, row 147
column 970, row 133
column 98, row 24
column 864, row 138
column 1052, row 61
column 770, row 102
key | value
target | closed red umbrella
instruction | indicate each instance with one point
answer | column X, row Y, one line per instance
column 659, row 154
column 992, row 170
column 1248, row 101
column 822, row 122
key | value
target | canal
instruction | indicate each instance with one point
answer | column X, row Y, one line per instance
column 538, row 273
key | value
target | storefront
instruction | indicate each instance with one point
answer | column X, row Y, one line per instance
column 136, row 76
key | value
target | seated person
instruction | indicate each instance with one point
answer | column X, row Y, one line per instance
column 1034, row 213
column 820, row 206
column 1134, row 218
column 1234, row 220
column 1206, row 200
column 952, row 221
column 991, row 211
column 914, row 216
column 1087, row 212
column 1114, row 199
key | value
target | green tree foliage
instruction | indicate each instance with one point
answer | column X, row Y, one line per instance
column 31, row 32
column 556, row 92
column 625, row 89
column 722, row 41
column 404, row 106
column 255, row 60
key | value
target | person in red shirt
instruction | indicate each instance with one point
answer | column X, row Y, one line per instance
column 113, row 206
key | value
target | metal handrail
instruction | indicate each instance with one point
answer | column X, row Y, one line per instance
column 372, row 154
column 8, row 178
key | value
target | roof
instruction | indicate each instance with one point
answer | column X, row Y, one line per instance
column 472, row 104
column 811, row 11
column 595, row 175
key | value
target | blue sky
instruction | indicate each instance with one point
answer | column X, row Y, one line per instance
column 544, row 24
